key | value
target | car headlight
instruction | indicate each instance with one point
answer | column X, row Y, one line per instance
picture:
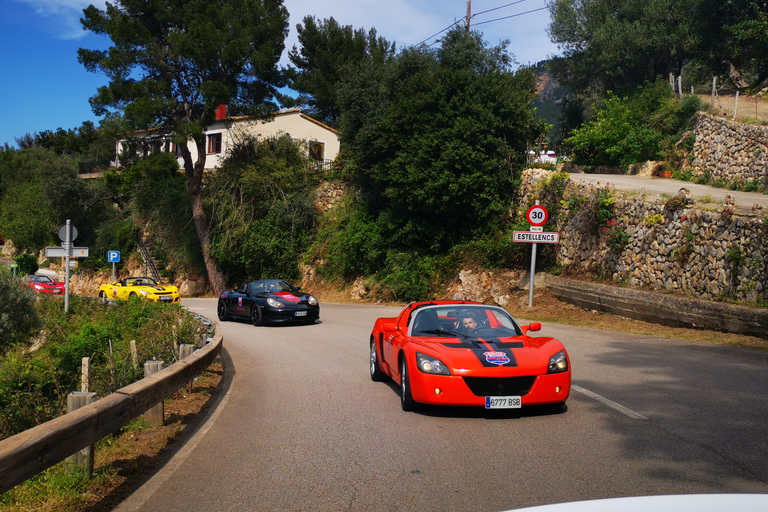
column 558, row 363
column 429, row 364
column 274, row 303
column 312, row 301
column 39, row 287
column 144, row 292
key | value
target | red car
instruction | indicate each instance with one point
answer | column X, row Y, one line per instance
column 44, row 284
column 468, row 354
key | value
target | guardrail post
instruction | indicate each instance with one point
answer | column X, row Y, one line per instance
column 134, row 354
column 85, row 375
column 84, row 457
column 184, row 351
column 154, row 415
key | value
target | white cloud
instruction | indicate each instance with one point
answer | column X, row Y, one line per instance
column 61, row 18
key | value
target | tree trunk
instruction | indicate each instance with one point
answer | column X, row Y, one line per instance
column 194, row 181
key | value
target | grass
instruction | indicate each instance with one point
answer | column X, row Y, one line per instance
column 121, row 459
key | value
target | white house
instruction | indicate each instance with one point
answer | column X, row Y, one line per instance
column 322, row 141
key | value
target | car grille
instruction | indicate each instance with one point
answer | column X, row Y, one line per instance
column 507, row 386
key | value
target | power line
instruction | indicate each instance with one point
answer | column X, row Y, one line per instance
column 483, row 22
column 512, row 16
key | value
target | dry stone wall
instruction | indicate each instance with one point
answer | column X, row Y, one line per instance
column 671, row 246
column 729, row 150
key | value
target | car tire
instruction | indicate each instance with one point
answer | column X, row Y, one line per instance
column 406, row 398
column 103, row 298
column 256, row 315
column 221, row 311
column 376, row 374
column 133, row 295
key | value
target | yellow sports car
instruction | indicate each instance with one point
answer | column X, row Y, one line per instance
column 141, row 287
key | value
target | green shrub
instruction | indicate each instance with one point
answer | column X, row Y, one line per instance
column 27, row 264
column 19, row 320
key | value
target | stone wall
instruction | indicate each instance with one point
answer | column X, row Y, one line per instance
column 730, row 150
column 671, row 246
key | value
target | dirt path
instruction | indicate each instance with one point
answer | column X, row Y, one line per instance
column 749, row 107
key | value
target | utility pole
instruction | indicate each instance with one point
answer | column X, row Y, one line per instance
column 469, row 15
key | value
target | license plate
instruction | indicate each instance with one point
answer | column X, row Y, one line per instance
column 166, row 299
column 502, row 402
column 300, row 313
column 56, row 291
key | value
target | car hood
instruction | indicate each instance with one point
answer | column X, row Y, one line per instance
column 287, row 297
column 489, row 352
column 155, row 289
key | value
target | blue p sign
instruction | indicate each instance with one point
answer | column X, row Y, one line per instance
column 113, row 256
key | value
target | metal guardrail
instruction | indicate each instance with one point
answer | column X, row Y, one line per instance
column 30, row 452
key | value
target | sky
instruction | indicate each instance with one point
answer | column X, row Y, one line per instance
column 43, row 87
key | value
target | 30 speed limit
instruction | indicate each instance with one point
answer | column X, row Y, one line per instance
column 537, row 215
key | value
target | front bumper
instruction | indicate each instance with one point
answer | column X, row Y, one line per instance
column 471, row 391
column 290, row 315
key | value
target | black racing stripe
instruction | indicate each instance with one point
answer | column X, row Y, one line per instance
column 479, row 347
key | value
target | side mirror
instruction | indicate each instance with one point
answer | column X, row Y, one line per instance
column 389, row 326
column 533, row 326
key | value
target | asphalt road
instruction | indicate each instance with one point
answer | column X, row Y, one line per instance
column 651, row 187
column 302, row 427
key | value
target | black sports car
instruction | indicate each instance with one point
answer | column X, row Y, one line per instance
column 268, row 300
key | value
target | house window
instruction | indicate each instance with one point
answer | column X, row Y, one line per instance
column 316, row 150
column 214, row 143
column 177, row 148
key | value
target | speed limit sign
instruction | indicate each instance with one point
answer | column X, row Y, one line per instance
column 537, row 215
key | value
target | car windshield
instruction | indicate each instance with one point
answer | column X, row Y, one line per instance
column 272, row 286
column 462, row 320
column 140, row 281
column 41, row 279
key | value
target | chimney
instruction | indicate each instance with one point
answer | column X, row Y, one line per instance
column 221, row 112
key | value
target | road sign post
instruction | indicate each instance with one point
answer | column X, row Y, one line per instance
column 67, row 234
column 536, row 216
column 113, row 257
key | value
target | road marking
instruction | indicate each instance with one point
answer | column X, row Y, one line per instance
column 610, row 403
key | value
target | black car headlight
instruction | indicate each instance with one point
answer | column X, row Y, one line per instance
column 275, row 303
column 558, row 363
column 312, row 301
column 429, row 364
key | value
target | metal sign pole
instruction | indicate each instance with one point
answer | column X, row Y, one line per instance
column 68, row 248
column 533, row 274
column 533, row 270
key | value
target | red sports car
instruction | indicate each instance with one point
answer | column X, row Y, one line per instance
column 468, row 354
column 44, row 284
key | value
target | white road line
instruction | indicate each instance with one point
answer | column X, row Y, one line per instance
column 610, row 403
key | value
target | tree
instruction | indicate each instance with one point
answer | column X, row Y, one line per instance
column 734, row 35
column 328, row 52
column 173, row 63
column 617, row 46
column 435, row 134
column 39, row 191
column 264, row 215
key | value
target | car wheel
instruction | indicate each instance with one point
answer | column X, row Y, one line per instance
column 103, row 297
column 133, row 295
column 256, row 314
column 221, row 310
column 376, row 374
column 406, row 398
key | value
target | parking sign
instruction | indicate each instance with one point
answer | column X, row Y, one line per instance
column 113, row 256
